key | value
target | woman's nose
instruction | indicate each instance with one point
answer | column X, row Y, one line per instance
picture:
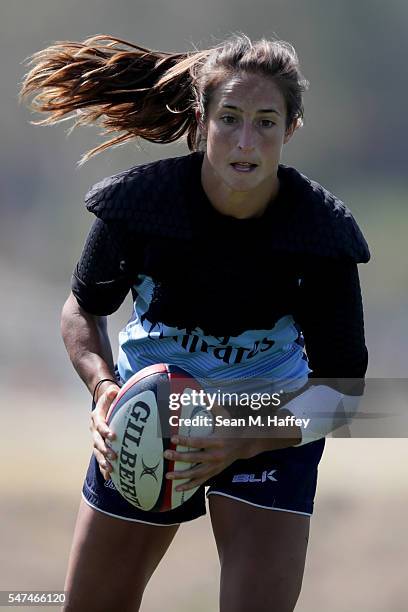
column 246, row 138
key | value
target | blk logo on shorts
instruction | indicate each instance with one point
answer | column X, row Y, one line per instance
column 251, row 477
column 109, row 484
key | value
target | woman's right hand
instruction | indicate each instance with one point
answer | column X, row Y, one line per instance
column 100, row 431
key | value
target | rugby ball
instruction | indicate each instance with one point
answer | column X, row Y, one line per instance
column 144, row 418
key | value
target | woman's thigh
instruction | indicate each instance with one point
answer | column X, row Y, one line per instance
column 262, row 554
column 111, row 561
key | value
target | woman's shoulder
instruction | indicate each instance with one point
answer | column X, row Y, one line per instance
column 145, row 194
column 319, row 222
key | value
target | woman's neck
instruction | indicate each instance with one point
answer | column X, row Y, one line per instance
column 238, row 204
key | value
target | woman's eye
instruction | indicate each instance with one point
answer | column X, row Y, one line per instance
column 267, row 123
column 228, row 119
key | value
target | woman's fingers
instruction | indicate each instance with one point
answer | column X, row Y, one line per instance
column 192, row 456
column 103, row 446
column 101, row 433
column 216, row 455
column 192, row 484
column 104, row 465
column 195, row 442
column 194, row 472
column 102, row 454
column 195, row 476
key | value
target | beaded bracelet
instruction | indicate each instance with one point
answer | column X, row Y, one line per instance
column 98, row 384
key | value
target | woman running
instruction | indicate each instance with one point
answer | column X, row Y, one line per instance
column 240, row 268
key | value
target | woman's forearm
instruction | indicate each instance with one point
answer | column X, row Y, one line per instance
column 87, row 342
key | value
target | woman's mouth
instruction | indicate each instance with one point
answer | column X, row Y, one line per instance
column 244, row 167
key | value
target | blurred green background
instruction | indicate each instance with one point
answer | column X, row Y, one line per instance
column 353, row 142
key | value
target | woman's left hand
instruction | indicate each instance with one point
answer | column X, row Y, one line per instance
column 213, row 455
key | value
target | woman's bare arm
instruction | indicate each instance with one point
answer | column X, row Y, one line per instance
column 87, row 342
column 88, row 346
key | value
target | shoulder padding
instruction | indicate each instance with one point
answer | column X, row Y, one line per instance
column 316, row 222
column 149, row 198
column 157, row 199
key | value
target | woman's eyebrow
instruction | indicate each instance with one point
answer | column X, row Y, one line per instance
column 262, row 110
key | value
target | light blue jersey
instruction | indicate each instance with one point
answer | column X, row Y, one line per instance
column 274, row 354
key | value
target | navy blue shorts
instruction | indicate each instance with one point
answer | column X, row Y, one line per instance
column 283, row 479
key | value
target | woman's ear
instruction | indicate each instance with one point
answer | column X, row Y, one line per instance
column 291, row 130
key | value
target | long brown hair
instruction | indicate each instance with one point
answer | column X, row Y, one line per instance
column 150, row 94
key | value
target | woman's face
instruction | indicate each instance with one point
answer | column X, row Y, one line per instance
column 246, row 123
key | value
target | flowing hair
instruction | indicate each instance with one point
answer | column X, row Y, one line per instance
column 148, row 94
